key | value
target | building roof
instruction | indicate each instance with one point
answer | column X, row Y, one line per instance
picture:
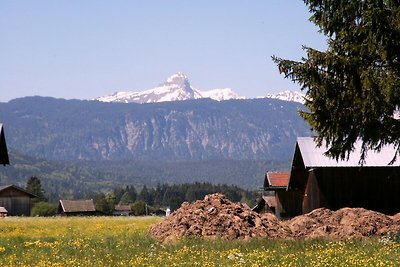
column 3, row 147
column 3, row 210
column 77, row 205
column 270, row 201
column 276, row 179
column 314, row 156
column 122, row 207
column 5, row 187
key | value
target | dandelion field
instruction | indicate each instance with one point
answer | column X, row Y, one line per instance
column 124, row 241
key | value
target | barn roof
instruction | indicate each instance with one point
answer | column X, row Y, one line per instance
column 3, row 210
column 270, row 201
column 314, row 156
column 120, row 207
column 77, row 205
column 276, row 179
column 3, row 147
column 5, row 187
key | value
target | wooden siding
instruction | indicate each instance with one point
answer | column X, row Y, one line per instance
column 374, row 188
column 313, row 197
column 16, row 205
column 288, row 203
column 17, row 201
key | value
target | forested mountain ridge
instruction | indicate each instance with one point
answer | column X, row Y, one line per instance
column 58, row 129
column 80, row 179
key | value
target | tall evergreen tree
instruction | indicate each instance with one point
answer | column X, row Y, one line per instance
column 34, row 186
column 352, row 88
column 132, row 192
column 146, row 196
column 126, row 199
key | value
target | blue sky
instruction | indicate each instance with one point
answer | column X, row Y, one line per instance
column 85, row 49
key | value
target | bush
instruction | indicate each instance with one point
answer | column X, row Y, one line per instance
column 139, row 208
column 44, row 209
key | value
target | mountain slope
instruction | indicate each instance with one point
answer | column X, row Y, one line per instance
column 176, row 88
column 202, row 129
column 78, row 179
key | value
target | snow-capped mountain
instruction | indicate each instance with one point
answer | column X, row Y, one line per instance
column 288, row 96
column 177, row 87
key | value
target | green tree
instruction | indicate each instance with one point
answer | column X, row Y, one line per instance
column 352, row 88
column 104, row 202
column 146, row 195
column 44, row 209
column 139, row 208
column 132, row 192
column 126, row 198
column 34, row 186
column 174, row 197
column 118, row 192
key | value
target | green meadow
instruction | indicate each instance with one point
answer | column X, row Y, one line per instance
column 124, row 241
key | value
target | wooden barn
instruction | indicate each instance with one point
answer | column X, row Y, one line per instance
column 122, row 210
column 3, row 148
column 284, row 201
column 319, row 181
column 76, row 208
column 17, row 201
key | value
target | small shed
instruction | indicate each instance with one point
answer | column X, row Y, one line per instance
column 17, row 201
column 3, row 212
column 325, row 182
column 122, row 210
column 3, row 148
column 285, row 201
column 267, row 204
column 76, row 208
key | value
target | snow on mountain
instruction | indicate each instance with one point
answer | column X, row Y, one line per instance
column 288, row 96
column 176, row 88
column 220, row 94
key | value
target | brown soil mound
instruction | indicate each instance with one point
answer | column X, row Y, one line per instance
column 396, row 218
column 343, row 223
column 216, row 216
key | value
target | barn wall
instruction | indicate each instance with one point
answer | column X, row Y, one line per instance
column 375, row 188
column 288, row 203
column 313, row 196
column 17, row 203
column 6, row 203
column 16, row 206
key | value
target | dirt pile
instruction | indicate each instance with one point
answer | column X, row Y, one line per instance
column 218, row 217
column 343, row 223
column 396, row 218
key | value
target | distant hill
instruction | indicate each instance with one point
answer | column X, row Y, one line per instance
column 192, row 130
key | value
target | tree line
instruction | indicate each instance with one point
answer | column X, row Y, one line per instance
column 144, row 200
column 149, row 199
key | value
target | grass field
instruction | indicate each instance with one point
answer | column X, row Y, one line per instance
column 123, row 241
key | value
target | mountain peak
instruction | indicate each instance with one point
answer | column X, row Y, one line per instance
column 177, row 87
column 178, row 77
column 179, row 81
